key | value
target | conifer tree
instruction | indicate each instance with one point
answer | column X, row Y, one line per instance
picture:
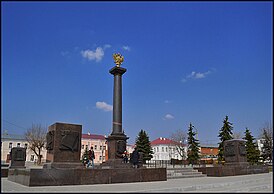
column 193, row 146
column 252, row 152
column 85, row 156
column 143, row 145
column 224, row 134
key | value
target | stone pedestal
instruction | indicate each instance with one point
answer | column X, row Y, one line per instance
column 235, row 161
column 58, row 177
column 64, row 146
column 18, row 157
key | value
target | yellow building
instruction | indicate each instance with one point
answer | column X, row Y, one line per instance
column 99, row 144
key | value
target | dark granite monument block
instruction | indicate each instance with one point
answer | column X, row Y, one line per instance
column 18, row 157
column 64, row 145
column 235, row 152
column 235, row 161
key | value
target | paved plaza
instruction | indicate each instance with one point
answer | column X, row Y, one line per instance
column 256, row 183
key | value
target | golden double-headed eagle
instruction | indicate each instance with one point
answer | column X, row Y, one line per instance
column 118, row 59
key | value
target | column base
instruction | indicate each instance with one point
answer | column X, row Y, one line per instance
column 117, row 144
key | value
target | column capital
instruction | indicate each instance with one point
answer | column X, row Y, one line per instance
column 117, row 70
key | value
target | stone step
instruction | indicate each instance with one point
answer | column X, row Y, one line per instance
column 180, row 173
column 183, row 173
column 182, row 170
column 187, row 176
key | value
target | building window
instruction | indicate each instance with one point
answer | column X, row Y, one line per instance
column 104, row 147
column 32, row 158
column 10, row 145
column 86, row 146
column 157, row 149
column 95, row 147
column 163, row 149
column 100, row 158
column 166, row 149
column 100, row 147
column 26, row 145
column 18, row 144
column 83, row 146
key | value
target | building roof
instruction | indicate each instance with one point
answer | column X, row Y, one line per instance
column 163, row 141
column 93, row 136
column 209, row 146
column 12, row 136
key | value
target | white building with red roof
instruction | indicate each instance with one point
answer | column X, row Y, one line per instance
column 165, row 149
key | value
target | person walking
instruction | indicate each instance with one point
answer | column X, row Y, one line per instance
column 91, row 157
column 125, row 157
column 135, row 158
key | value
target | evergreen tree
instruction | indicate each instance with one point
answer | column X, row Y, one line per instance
column 85, row 156
column 143, row 145
column 224, row 134
column 193, row 146
column 252, row 152
column 267, row 149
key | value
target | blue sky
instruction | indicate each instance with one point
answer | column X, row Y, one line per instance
column 186, row 62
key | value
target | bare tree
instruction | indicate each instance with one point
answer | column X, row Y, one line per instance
column 179, row 138
column 266, row 134
column 237, row 135
column 268, row 128
column 36, row 137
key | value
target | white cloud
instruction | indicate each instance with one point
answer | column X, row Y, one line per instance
column 107, row 46
column 104, row 106
column 127, row 48
column 184, row 80
column 195, row 75
column 64, row 53
column 168, row 116
column 96, row 55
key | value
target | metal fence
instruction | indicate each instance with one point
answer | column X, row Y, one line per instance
column 175, row 164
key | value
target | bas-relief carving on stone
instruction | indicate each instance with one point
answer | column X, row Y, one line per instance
column 121, row 147
column 50, row 138
column 229, row 150
column 19, row 155
column 69, row 140
column 242, row 150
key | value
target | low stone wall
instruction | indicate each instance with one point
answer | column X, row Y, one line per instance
column 4, row 172
column 53, row 177
column 218, row 171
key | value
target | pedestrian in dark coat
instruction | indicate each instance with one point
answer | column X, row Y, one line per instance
column 135, row 158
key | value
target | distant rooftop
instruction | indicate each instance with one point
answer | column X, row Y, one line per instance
column 93, row 136
column 163, row 141
column 209, row 145
column 12, row 136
